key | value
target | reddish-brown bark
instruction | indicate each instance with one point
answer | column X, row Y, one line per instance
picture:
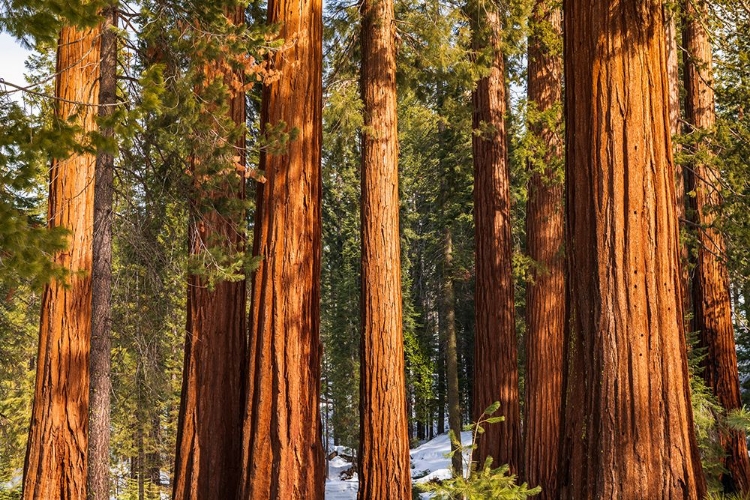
column 207, row 463
column 627, row 424
column 711, row 294
column 673, row 76
column 56, row 454
column 384, row 470
column 545, row 296
column 495, row 351
column 282, row 449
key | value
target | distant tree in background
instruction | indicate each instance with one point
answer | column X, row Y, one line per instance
column 711, row 287
column 101, row 273
column 495, row 351
column 545, row 223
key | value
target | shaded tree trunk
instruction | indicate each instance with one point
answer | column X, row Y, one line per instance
column 495, row 350
column 101, row 306
column 673, row 77
column 451, row 354
column 384, row 469
column 57, row 450
column 282, row 447
column 207, row 463
column 545, row 296
column 627, row 424
column 711, row 293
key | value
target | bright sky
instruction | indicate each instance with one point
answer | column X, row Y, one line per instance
column 13, row 57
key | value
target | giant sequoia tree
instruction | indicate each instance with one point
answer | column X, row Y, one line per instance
column 711, row 295
column 282, row 450
column 628, row 425
column 57, row 449
column 495, row 352
column 384, row 470
column 545, row 300
column 207, row 464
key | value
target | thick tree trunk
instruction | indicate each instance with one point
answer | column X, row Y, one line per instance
column 384, row 470
column 711, row 294
column 545, row 296
column 627, row 424
column 495, row 350
column 282, row 446
column 101, row 281
column 451, row 354
column 207, row 463
column 57, row 450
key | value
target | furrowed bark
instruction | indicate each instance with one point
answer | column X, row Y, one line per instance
column 495, row 351
column 101, row 306
column 545, row 296
column 282, row 449
column 57, row 449
column 627, row 425
column 209, row 451
column 384, row 470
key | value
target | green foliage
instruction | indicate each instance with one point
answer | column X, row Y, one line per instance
column 26, row 244
column 486, row 483
column 340, row 285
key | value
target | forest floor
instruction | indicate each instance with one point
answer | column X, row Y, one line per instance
column 428, row 462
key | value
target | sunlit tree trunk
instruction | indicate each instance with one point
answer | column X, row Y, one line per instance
column 384, row 470
column 207, row 463
column 101, row 307
column 545, row 296
column 495, row 351
column 57, row 449
column 627, row 425
column 711, row 293
column 282, row 445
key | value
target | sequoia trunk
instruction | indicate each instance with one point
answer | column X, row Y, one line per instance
column 282, row 449
column 545, row 296
column 711, row 294
column 495, row 351
column 101, row 306
column 57, row 449
column 207, row 463
column 384, row 470
column 627, row 424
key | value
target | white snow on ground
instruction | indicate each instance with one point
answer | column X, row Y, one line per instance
column 428, row 462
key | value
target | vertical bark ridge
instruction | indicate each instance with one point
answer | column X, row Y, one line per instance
column 282, row 449
column 101, row 307
column 207, row 463
column 384, row 470
column 545, row 299
column 56, row 455
column 627, row 424
column 495, row 351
